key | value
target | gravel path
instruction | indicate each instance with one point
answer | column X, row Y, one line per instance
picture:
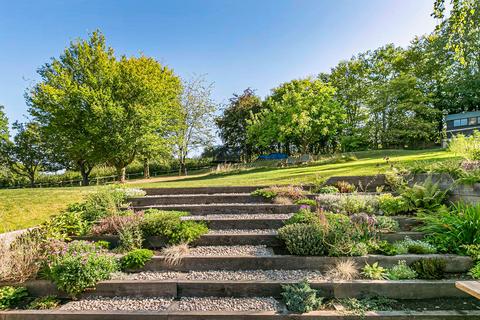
column 237, row 231
column 238, row 216
column 147, row 275
column 227, row 304
column 245, row 275
column 231, row 251
column 119, row 304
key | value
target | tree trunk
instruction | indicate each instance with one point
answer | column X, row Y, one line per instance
column 84, row 172
column 146, row 169
column 121, row 174
column 32, row 181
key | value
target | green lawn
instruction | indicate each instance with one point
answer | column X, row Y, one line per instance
column 22, row 208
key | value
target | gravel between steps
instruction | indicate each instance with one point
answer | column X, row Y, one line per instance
column 238, row 216
column 255, row 275
column 227, row 304
column 231, row 251
column 223, row 275
column 239, row 231
column 147, row 275
column 119, row 304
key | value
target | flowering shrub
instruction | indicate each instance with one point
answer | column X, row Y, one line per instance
column 133, row 192
column 78, row 265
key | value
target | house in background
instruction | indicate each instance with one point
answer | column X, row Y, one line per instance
column 464, row 123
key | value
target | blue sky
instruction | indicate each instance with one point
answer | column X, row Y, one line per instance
column 237, row 44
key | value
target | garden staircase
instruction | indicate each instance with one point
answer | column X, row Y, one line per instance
column 236, row 218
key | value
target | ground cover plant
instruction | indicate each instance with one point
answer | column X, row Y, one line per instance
column 301, row 298
column 10, row 297
column 135, row 259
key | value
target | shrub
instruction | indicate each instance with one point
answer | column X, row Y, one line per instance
column 66, row 225
column 386, row 224
column 466, row 147
column 112, row 225
column 327, row 189
column 291, row 192
column 451, row 231
column 265, row 193
column 426, row 197
column 99, row 204
column 161, row 223
column 11, row 297
column 343, row 270
column 187, row 231
column 301, row 297
column 381, row 247
column 133, row 192
column 303, row 239
column 419, row 247
column 429, row 269
column 22, row 258
column 44, row 303
column 374, row 271
column 401, row 272
column 475, row 271
column 303, row 215
column 282, row 200
column 345, row 187
column 79, row 265
column 307, row 202
column 390, row 205
column 168, row 225
column 130, row 237
column 347, row 204
column 473, row 250
column 136, row 259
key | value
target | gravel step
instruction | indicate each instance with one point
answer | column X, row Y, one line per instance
column 119, row 304
column 227, row 304
column 242, row 221
column 239, row 238
column 197, row 199
column 201, row 190
column 230, row 208
column 223, row 275
column 245, row 250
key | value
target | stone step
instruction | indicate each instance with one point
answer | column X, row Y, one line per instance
column 230, row 208
column 200, row 190
column 402, row 289
column 236, row 315
column 454, row 263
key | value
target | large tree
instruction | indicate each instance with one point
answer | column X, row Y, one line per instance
column 95, row 108
column 27, row 153
column 143, row 111
column 197, row 112
column 65, row 102
column 232, row 124
column 302, row 114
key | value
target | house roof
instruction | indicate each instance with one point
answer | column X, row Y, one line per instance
column 462, row 115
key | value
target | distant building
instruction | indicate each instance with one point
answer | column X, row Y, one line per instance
column 463, row 123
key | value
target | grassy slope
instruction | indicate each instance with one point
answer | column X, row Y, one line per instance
column 21, row 208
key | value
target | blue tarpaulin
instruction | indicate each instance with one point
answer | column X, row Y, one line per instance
column 273, row 156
